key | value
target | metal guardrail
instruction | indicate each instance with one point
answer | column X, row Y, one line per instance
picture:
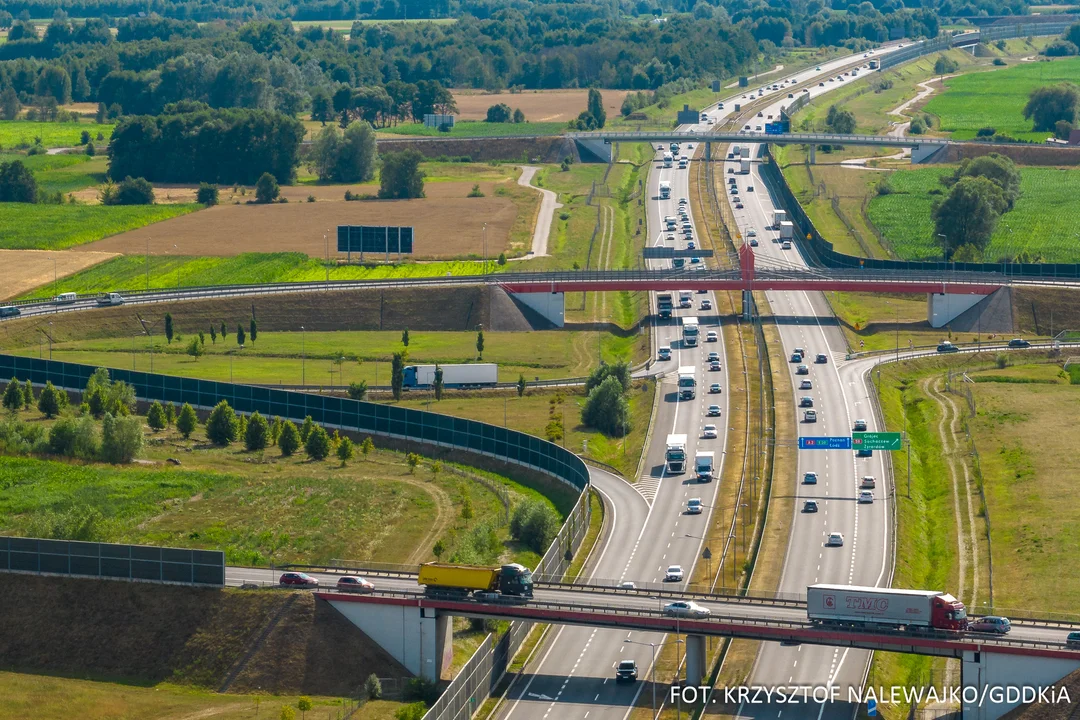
column 759, row 137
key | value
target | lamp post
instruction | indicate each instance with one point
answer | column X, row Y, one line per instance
column 485, row 248
column 147, row 262
column 55, row 287
column 652, row 669
column 897, row 326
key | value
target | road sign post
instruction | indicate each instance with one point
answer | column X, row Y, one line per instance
column 876, row 440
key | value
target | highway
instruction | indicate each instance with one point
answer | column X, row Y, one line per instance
column 838, row 394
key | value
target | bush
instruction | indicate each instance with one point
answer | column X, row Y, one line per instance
column 121, row 439
column 130, row 191
column 187, row 421
column 207, row 194
column 13, row 396
column 306, row 428
column 52, row 401
column 266, row 189
column 999, row 62
column 607, row 409
column 155, row 418
column 534, row 523
column 476, row 192
column 317, row 445
column 357, row 390
column 422, row 689
column 1060, row 48
column 985, row 132
column 373, row 687
column 195, row 348
column 413, row 711
column 71, row 437
column 345, row 450
column 289, row 440
column 257, row 433
column 222, row 425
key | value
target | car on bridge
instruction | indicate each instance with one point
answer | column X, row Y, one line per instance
column 806, row 385
column 1072, row 640
column 1019, row 343
column 947, row 347
column 674, row 573
column 802, row 370
column 806, row 401
column 297, row 579
column 835, row 540
column 860, row 425
column 709, row 432
column 866, row 497
column 686, row 609
column 626, row 671
column 991, row 624
column 354, row 583
column 809, row 478
column 627, row 585
column 810, row 506
column 810, row 416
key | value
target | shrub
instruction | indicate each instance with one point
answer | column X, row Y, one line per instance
column 195, row 348
column 345, row 450
column 155, row 418
column 129, row 191
column 257, row 434
column 289, row 440
column 71, row 437
column 121, row 439
column 999, row 62
column 13, row 396
column 52, row 401
column 985, row 132
column 373, row 687
column 207, row 194
column 266, row 189
column 476, row 192
column 317, row 444
column 357, row 390
column 413, row 711
column 306, row 428
column 535, row 524
column 222, row 425
column 187, row 421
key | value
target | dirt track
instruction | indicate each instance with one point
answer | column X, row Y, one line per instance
column 538, row 105
column 446, row 223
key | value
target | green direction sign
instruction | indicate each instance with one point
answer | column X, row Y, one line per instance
column 875, row 440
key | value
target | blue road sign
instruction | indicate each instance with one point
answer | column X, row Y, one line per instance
column 825, row 443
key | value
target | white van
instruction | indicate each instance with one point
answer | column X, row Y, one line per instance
column 66, row 298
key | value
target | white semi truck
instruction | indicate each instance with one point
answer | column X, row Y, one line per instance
column 665, row 189
column 472, row 375
column 668, row 158
column 690, row 331
column 687, row 382
column 675, row 457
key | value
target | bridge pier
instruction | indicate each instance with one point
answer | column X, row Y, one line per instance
column 813, row 154
column 696, row 659
column 419, row 638
column 1004, row 675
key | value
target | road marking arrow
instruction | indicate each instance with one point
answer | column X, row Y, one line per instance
column 540, row 697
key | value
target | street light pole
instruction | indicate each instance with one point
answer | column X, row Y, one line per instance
column 55, row 287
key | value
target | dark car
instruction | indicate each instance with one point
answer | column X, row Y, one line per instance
column 10, row 311
column 947, row 347
column 738, row 206
column 821, row 358
column 1019, row 343
column 806, row 401
column 1072, row 640
column 864, row 453
column 796, row 357
column 626, row 671
column 297, row 579
column 810, row 506
column 802, row 370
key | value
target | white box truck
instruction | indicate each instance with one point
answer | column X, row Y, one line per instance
column 787, row 230
column 668, row 158
column 853, row 605
column 744, row 166
column 778, row 217
column 110, row 299
column 665, row 189
column 690, row 331
column 675, row 457
column 704, row 465
column 687, row 382
column 471, row 375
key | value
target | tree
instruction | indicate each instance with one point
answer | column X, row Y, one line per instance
column 401, row 176
column 596, row 108
column 840, row 121
column 438, row 384
column 91, row 151
column 439, row 549
column 194, row 348
column 257, row 435
column 534, row 523
column 266, row 189
column 223, row 331
column 17, row 183
column 129, row 191
column 121, row 439
column 607, row 409
column 1049, row 104
column 436, row 468
column 367, row 447
column 287, row 713
column 412, row 460
column 187, row 421
column 13, row 396
column 317, row 445
column 321, row 105
column 222, row 426
column 999, row 169
column 51, row 401
column 373, row 687
column 28, row 394
column 289, row 441
column 345, row 450
column 240, row 335
column 499, row 113
column 207, row 194
column 170, row 414
column 304, row 704
column 103, row 395
column 155, row 417
column 253, row 329
column 70, row 437
column 1059, row 48
column 519, row 117
column 306, row 429
column 968, row 215
column 521, row 384
column 945, row 65
column 9, row 104
column 397, row 374
column 405, row 337
column 466, row 508
column 344, row 157
column 168, row 327
column 620, row 370
column 213, row 334
column 357, row 390
column 480, row 343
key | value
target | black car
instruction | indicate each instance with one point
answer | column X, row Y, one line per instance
column 626, row 671
column 864, row 453
column 806, row 401
column 1019, row 343
column 947, row 347
column 821, row 359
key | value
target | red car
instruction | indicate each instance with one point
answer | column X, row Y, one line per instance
column 298, row 579
column 352, row 583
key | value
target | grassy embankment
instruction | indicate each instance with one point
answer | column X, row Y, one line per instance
column 474, row 128
column 943, row 526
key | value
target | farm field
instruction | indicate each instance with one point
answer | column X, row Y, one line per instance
column 540, row 106
column 58, row 227
column 446, row 223
column 472, row 128
column 24, row 270
column 1043, row 221
column 997, row 100
column 284, row 357
column 63, row 173
column 24, row 133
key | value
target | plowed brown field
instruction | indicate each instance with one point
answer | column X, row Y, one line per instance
column 24, row 270
column 538, row 105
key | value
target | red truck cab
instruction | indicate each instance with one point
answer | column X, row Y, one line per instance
column 948, row 613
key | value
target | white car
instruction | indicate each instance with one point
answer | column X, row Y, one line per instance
column 706, row 304
column 674, row 574
column 806, row 385
column 711, row 336
column 751, row 233
column 694, row 506
column 686, row 608
column 868, row 482
column 835, row 540
column 709, row 432
column 714, row 411
column 627, row 585
column 866, row 497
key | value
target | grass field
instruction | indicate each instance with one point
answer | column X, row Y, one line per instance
column 56, row 227
column 276, row 356
column 25, row 133
column 63, row 173
column 997, row 100
column 1043, row 221
column 472, row 128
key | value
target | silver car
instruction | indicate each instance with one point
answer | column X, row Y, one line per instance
column 991, row 624
column 686, row 608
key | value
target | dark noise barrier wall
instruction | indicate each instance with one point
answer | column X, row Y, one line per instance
column 342, row 413
column 819, row 251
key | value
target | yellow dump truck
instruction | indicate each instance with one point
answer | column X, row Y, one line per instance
column 446, row 580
